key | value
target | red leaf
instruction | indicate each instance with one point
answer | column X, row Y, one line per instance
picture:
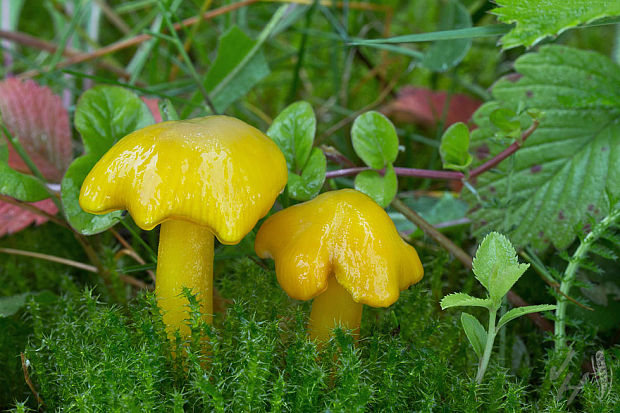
column 14, row 218
column 37, row 117
column 425, row 107
column 153, row 105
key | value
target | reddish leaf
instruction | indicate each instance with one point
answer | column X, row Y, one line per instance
column 14, row 218
column 425, row 107
column 153, row 105
column 37, row 117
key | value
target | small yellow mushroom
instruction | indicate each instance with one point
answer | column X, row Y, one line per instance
column 343, row 250
column 197, row 178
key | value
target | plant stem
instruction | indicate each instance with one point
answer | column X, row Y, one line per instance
column 446, row 175
column 484, row 361
column 571, row 270
column 463, row 257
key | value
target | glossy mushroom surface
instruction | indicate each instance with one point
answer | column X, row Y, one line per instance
column 198, row 178
column 341, row 239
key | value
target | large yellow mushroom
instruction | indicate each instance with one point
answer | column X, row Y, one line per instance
column 197, row 178
column 343, row 250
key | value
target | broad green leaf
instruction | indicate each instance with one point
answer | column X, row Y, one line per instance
column 308, row 185
column 496, row 266
column 536, row 20
column 569, row 166
column 463, row 300
column 103, row 115
column 475, row 332
column 293, row 131
column 374, row 139
column 444, row 55
column 232, row 76
column 507, row 121
column 454, row 147
column 15, row 184
column 380, row 188
column 519, row 311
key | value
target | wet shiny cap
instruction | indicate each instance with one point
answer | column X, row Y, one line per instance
column 215, row 171
column 343, row 234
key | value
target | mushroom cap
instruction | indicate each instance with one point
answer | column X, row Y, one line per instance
column 214, row 171
column 341, row 233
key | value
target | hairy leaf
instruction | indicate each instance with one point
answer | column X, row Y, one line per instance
column 536, row 20
column 475, row 332
column 463, row 300
column 13, row 218
column 231, row 76
column 569, row 166
column 374, row 139
column 293, row 131
column 496, row 266
column 103, row 116
column 37, row 117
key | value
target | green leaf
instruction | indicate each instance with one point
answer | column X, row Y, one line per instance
column 536, row 20
column 519, row 311
column 496, row 266
column 15, row 184
column 444, row 55
column 380, row 188
column 293, row 131
column 308, row 185
column 569, row 167
column 13, row 303
column 103, row 115
column 463, row 300
column 434, row 210
column 235, row 70
column 374, row 139
column 454, row 147
column 475, row 332
column 507, row 121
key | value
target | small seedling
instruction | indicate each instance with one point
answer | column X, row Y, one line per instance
column 496, row 267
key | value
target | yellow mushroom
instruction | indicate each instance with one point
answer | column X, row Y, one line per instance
column 343, row 250
column 197, row 178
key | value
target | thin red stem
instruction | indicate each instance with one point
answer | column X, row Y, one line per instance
column 443, row 175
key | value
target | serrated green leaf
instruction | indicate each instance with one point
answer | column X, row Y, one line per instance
column 374, row 139
column 103, row 115
column 454, row 147
column 15, row 184
column 293, row 131
column 380, row 188
column 444, row 55
column 496, row 266
column 230, row 66
column 536, row 20
column 475, row 332
column 463, row 300
column 308, row 185
column 519, row 311
column 569, row 166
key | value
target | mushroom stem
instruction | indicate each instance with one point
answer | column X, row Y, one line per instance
column 184, row 259
column 334, row 308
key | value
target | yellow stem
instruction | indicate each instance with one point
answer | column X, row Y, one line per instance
column 334, row 308
column 184, row 259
